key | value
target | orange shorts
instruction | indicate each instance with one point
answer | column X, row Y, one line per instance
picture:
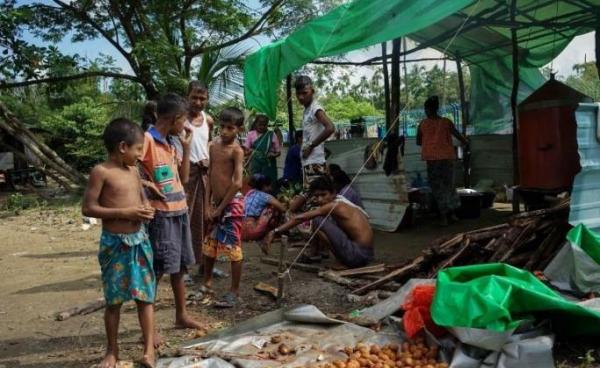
column 213, row 249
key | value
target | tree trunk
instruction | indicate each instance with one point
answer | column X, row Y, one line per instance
column 15, row 128
column 386, row 83
column 395, row 90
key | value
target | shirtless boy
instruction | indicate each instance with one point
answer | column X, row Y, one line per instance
column 226, row 212
column 342, row 226
column 114, row 194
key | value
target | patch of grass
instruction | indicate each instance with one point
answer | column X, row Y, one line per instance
column 585, row 361
column 17, row 202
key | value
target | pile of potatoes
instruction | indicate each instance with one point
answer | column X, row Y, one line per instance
column 410, row 354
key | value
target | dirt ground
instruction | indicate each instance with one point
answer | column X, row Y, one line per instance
column 48, row 264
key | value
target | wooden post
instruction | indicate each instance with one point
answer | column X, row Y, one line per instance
column 386, row 83
column 464, row 116
column 395, row 90
column 280, row 277
column 291, row 128
column 598, row 48
column 515, row 92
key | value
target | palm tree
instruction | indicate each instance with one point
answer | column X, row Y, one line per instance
column 222, row 71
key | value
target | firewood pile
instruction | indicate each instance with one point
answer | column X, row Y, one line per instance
column 528, row 240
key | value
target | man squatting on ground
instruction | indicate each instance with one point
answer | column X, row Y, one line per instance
column 341, row 226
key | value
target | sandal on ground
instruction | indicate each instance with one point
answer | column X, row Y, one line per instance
column 203, row 292
column 229, row 300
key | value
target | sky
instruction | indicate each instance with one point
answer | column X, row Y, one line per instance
column 580, row 49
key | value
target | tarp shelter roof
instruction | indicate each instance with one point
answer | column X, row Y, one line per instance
column 477, row 31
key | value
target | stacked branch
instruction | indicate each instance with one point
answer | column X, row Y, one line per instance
column 52, row 165
column 529, row 240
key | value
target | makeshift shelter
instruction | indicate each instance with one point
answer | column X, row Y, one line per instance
column 484, row 33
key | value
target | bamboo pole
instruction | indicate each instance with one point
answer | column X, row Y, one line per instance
column 280, row 277
column 290, row 107
column 514, row 94
column 465, row 120
column 386, row 82
column 395, row 85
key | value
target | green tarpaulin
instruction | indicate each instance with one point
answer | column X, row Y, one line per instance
column 498, row 297
column 587, row 240
column 477, row 31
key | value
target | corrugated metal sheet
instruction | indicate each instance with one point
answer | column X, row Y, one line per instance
column 384, row 197
column 585, row 198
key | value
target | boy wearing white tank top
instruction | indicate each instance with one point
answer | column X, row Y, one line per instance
column 201, row 124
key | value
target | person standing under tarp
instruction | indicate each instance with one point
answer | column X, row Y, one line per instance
column 263, row 148
column 201, row 124
column 316, row 128
column 434, row 135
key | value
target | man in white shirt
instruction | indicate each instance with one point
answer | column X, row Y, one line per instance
column 201, row 124
column 316, row 128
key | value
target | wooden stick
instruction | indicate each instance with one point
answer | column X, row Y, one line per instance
column 362, row 270
column 535, row 257
column 396, row 273
column 452, row 259
column 280, row 276
column 517, row 242
column 81, row 309
column 335, row 277
column 543, row 212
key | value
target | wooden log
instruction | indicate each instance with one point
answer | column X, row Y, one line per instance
column 49, row 173
column 415, row 264
column 11, row 120
column 298, row 266
column 81, row 309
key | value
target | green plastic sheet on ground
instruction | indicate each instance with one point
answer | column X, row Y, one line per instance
column 499, row 297
column 587, row 240
column 483, row 42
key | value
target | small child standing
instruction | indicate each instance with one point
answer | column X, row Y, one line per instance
column 114, row 194
column 227, row 211
column 166, row 173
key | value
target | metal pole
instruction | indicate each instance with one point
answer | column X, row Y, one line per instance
column 515, row 93
column 280, row 277
column 291, row 129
